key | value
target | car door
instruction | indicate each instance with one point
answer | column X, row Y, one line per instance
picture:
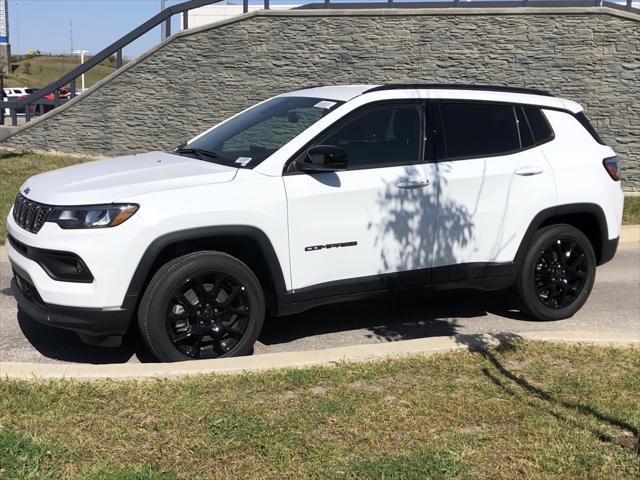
column 492, row 181
column 359, row 229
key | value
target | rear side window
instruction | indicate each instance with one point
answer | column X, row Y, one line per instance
column 539, row 124
column 478, row 130
column 584, row 121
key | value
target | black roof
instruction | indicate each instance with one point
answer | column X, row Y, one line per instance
column 454, row 86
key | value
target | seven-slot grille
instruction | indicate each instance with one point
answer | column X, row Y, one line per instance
column 30, row 215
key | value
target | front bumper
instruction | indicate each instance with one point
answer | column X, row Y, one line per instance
column 109, row 255
column 90, row 323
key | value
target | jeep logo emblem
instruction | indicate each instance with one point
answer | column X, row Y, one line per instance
column 27, row 190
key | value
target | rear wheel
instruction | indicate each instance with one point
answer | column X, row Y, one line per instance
column 201, row 305
column 557, row 274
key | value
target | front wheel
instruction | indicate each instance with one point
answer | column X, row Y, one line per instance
column 557, row 274
column 201, row 305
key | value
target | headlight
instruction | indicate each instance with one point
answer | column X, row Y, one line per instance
column 91, row 216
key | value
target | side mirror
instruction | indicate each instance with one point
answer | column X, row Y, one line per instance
column 323, row 158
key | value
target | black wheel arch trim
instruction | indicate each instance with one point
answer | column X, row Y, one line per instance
column 146, row 263
column 607, row 247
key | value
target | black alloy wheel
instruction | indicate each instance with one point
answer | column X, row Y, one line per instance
column 202, row 305
column 208, row 315
column 560, row 274
column 557, row 274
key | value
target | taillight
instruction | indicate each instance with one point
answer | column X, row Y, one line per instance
column 612, row 166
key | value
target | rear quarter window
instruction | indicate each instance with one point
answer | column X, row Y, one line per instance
column 584, row 121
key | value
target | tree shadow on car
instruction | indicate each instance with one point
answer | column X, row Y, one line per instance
column 64, row 345
column 414, row 228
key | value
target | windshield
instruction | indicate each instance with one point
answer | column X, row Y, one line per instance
column 251, row 137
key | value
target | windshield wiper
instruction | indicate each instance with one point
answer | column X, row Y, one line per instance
column 200, row 152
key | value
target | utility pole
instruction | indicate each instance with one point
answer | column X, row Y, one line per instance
column 71, row 34
column 5, row 48
column 163, row 32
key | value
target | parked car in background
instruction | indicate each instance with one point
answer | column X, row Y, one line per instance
column 40, row 109
column 14, row 93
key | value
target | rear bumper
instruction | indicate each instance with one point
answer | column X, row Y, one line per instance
column 608, row 250
column 88, row 322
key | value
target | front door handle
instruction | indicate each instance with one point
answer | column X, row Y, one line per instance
column 528, row 170
column 421, row 183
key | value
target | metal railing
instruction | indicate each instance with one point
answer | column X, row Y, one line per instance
column 52, row 96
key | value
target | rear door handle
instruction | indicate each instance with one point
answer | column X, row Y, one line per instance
column 528, row 170
column 413, row 183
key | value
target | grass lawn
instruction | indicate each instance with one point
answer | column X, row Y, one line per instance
column 527, row 411
column 15, row 168
column 40, row 71
column 631, row 214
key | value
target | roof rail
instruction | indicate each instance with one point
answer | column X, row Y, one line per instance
column 457, row 86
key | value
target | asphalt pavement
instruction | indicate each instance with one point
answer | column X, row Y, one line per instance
column 614, row 306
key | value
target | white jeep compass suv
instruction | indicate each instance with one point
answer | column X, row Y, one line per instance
column 317, row 196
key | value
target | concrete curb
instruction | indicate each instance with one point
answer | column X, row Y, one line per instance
column 630, row 234
column 271, row 361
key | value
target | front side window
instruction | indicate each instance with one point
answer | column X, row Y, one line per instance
column 251, row 137
column 478, row 130
column 380, row 135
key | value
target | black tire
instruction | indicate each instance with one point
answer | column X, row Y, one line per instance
column 201, row 305
column 557, row 273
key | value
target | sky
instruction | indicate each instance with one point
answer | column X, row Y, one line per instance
column 46, row 25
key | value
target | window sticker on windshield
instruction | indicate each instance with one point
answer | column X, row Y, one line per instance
column 243, row 160
column 324, row 104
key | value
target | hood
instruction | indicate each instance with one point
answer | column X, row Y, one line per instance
column 115, row 179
